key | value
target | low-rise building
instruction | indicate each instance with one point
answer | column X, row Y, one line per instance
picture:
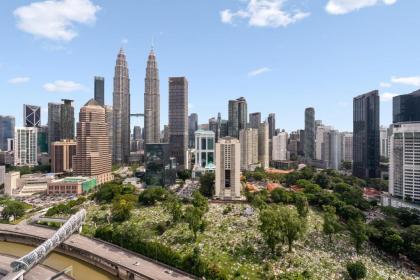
column 30, row 184
column 71, row 185
column 10, row 182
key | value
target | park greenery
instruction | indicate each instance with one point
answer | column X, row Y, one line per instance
column 319, row 231
column 12, row 209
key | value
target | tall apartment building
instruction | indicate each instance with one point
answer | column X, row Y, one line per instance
column 228, row 161
column 31, row 116
column 309, row 148
column 263, row 145
column 384, row 142
column 280, row 146
column 109, row 119
column 178, row 119
column 7, row 131
column 238, row 116
column 320, row 132
column 121, row 111
column 93, row 158
column 347, row 146
column 404, row 169
column 99, row 90
column 26, row 146
column 248, row 139
column 366, row 135
column 62, row 154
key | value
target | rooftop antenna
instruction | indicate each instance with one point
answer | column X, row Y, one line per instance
column 153, row 43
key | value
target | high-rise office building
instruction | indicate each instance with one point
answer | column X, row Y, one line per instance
column 99, row 90
column 238, row 116
column 404, row 171
column 192, row 128
column 93, row 158
column 26, row 146
column 320, row 132
column 248, row 139
column 347, row 146
column 271, row 125
column 263, row 145
column 121, row 111
column 67, row 120
column 366, row 135
column 7, row 131
column 31, row 116
column 62, row 154
column 136, row 142
column 406, row 107
column 309, row 146
column 255, row 120
column 42, row 139
column 334, row 149
column 228, row 161
column 152, row 101
column 293, row 145
column 54, row 122
column 160, row 167
column 178, row 119
column 2, row 174
column 280, row 146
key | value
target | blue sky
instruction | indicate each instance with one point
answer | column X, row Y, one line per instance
column 281, row 55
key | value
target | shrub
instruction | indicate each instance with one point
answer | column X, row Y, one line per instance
column 356, row 270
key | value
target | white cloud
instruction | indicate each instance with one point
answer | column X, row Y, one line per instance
column 264, row 13
column 19, row 80
column 55, row 20
column 259, row 71
column 387, row 96
column 410, row 81
column 340, row 7
column 64, row 86
column 385, row 85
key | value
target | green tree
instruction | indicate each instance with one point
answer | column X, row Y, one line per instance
column 174, row 207
column 323, row 180
column 358, row 232
column 292, row 226
column 200, row 202
column 121, row 210
column 291, row 178
column 270, row 227
column 280, row 195
column 331, row 223
column 207, row 184
column 151, row 195
column 184, row 174
column 193, row 216
column 356, row 270
column 14, row 209
column 302, row 205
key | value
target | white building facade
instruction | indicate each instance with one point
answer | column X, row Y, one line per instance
column 25, row 146
column 280, row 146
column 228, row 161
column 404, row 169
column 204, row 150
column 249, row 148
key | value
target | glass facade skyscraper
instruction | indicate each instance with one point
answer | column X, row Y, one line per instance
column 100, row 90
column 7, row 130
column 309, row 148
column 406, row 108
column 366, row 135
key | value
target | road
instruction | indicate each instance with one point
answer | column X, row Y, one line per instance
column 106, row 251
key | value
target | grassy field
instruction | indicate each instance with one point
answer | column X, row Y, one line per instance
column 232, row 241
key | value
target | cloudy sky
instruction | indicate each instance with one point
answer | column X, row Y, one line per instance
column 281, row 55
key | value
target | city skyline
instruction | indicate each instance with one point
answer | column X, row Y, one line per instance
column 271, row 69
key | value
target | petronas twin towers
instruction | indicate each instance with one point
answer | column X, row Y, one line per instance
column 121, row 107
